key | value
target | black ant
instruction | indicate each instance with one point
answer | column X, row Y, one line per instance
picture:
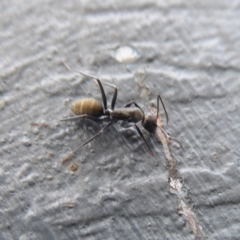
column 93, row 109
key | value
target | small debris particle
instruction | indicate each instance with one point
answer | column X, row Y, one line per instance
column 73, row 167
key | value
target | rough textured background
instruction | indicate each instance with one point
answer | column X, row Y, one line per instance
column 190, row 53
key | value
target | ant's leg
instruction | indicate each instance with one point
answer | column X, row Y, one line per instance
column 159, row 98
column 92, row 138
column 96, row 119
column 141, row 135
column 136, row 105
column 132, row 103
column 98, row 81
column 102, row 91
column 114, row 95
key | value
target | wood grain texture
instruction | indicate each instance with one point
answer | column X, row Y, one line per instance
column 189, row 53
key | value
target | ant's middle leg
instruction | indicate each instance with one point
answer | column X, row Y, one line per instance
column 96, row 119
column 136, row 105
column 132, row 103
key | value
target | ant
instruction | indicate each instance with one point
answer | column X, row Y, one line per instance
column 92, row 109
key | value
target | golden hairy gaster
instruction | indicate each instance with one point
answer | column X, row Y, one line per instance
column 89, row 106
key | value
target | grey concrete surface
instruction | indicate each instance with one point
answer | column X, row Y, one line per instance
column 189, row 53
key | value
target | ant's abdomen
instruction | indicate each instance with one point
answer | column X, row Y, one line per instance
column 89, row 106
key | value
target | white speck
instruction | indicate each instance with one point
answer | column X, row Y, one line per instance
column 26, row 141
column 126, row 54
column 49, row 177
column 2, row 140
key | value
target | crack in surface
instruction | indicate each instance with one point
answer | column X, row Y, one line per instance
column 175, row 182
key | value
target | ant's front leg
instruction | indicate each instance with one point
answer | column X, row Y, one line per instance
column 165, row 110
column 143, row 138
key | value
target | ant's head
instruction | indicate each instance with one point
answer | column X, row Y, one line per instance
column 150, row 123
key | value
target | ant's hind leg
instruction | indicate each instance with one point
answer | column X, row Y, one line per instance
column 114, row 95
column 88, row 141
column 96, row 119
column 94, row 77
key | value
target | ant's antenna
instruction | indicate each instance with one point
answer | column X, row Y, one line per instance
column 170, row 138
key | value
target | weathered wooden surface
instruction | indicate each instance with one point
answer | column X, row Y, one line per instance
column 189, row 52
